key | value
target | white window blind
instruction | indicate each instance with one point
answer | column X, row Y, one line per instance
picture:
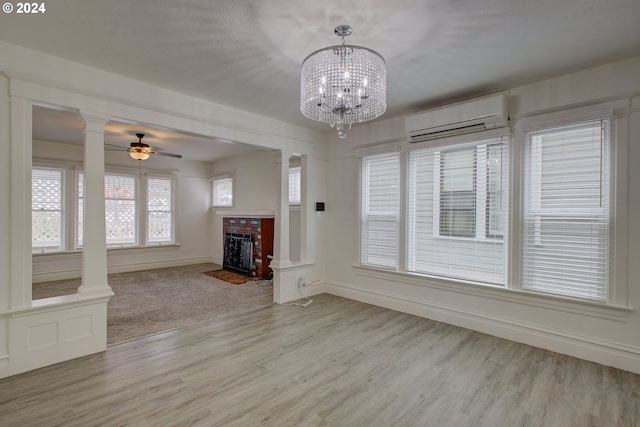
column 456, row 211
column 566, row 234
column 380, row 210
column 47, row 214
column 223, row 191
column 159, row 210
column 294, row 185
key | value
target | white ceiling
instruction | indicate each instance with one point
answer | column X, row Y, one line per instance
column 64, row 126
column 247, row 53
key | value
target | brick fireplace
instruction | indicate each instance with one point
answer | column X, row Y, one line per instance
column 261, row 231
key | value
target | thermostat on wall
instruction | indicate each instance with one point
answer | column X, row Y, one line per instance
column 319, row 206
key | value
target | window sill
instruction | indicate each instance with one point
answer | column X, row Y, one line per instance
column 122, row 250
column 546, row 301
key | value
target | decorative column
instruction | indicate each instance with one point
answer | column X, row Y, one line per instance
column 20, row 201
column 94, row 241
column 5, row 203
column 281, row 257
column 304, row 208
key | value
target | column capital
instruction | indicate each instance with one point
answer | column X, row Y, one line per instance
column 93, row 121
column 282, row 156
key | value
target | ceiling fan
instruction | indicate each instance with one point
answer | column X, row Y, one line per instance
column 141, row 151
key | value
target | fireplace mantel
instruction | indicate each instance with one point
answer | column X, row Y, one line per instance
column 245, row 214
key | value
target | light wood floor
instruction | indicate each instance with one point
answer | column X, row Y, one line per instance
column 335, row 363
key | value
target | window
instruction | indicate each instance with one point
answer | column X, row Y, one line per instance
column 380, row 210
column 159, row 210
column 47, row 213
column 566, row 234
column 222, row 189
column 456, row 207
column 457, row 176
column 139, row 210
column 294, row 185
column 548, row 229
column 120, row 209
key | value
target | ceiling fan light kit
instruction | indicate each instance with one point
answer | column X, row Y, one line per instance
column 141, row 151
column 343, row 84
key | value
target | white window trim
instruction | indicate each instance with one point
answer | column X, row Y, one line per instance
column 144, row 214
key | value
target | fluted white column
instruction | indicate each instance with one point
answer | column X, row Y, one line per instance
column 281, row 256
column 94, row 241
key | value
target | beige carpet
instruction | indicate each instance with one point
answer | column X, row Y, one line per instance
column 146, row 302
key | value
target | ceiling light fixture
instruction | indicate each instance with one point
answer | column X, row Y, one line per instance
column 138, row 155
column 344, row 84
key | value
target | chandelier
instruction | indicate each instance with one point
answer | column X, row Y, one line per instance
column 344, row 84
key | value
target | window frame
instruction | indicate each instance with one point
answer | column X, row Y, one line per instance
column 214, row 188
column 431, row 254
column 615, row 289
column 62, row 211
column 146, row 211
column 295, row 185
column 395, row 216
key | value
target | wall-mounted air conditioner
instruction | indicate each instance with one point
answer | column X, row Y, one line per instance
column 464, row 117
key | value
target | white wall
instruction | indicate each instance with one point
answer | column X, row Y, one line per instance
column 192, row 221
column 606, row 335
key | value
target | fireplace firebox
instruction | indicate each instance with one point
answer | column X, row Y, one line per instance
column 238, row 253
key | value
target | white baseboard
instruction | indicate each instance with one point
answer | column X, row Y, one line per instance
column 588, row 348
column 124, row 268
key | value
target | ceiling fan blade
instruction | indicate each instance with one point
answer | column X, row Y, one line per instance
column 162, row 153
column 112, row 147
